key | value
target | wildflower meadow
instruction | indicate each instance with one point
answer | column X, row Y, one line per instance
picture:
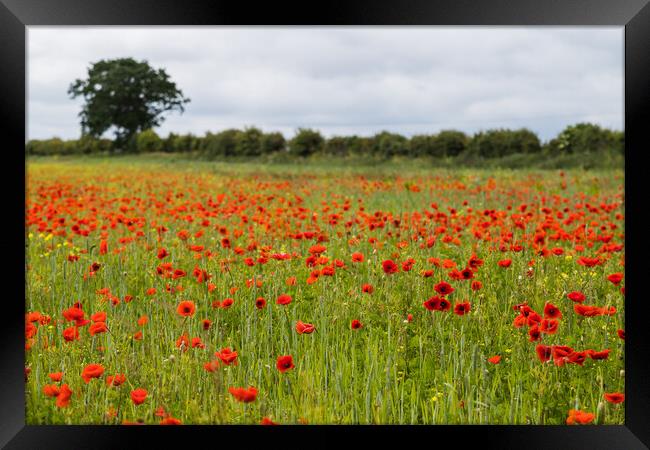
column 161, row 292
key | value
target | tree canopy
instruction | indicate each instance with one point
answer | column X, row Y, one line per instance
column 129, row 95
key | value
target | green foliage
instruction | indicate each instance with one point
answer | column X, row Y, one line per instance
column 84, row 146
column 338, row 146
column 272, row 143
column 52, row 146
column 501, row 142
column 444, row 144
column 596, row 147
column 183, row 143
column 222, row 144
column 168, row 143
column 306, row 142
column 586, row 138
column 344, row 146
column 386, row 145
column 421, row 145
column 450, row 143
column 148, row 142
column 249, row 142
column 126, row 95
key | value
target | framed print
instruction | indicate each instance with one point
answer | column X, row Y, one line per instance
column 372, row 221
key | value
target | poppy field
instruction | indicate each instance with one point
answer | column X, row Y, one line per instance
column 214, row 293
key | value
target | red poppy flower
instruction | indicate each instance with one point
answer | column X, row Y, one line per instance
column 552, row 312
column 70, row 334
column 162, row 253
column 284, row 299
column 476, row 285
column 355, row 325
column 505, row 263
column 603, row 354
column 581, row 417
column 92, row 371
column 534, row 333
column 178, row 273
column 560, row 351
column 577, row 357
column 467, row 274
column 408, row 265
column 260, row 303
column 367, row 288
column 183, row 342
column 103, row 247
column 317, row 249
column 549, row 326
column 98, row 317
column 73, row 314
column 51, row 390
column 267, row 421
column 444, row 288
column 444, row 305
column 589, row 262
column 170, row 421
column 56, row 376
column 138, row 396
column 433, row 303
column 576, row 296
column 97, row 327
column 615, row 278
column 461, row 309
column 496, row 359
column 621, row 334
column 533, row 318
column 211, row 366
column 389, row 267
column 357, row 257
column 115, row 380
column 284, row 363
column 186, row 308
column 543, row 352
column 206, row 324
column 63, row 399
column 243, row 395
column 227, row 303
column 520, row 321
column 197, row 343
column 615, row 397
column 227, row 356
column 304, row 328
column 33, row 316
column 591, row 311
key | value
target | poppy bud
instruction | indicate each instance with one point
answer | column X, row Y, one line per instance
column 600, row 413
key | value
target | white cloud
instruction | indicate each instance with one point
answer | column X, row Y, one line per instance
column 346, row 80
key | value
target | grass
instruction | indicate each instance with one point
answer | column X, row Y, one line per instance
column 432, row 370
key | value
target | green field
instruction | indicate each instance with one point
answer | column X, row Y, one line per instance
column 242, row 231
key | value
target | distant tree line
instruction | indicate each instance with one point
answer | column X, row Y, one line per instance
column 252, row 142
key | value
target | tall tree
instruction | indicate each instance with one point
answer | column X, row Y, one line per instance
column 128, row 95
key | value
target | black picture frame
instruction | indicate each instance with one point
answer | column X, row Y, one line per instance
column 16, row 15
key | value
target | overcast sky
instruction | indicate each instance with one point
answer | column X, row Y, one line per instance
column 344, row 80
